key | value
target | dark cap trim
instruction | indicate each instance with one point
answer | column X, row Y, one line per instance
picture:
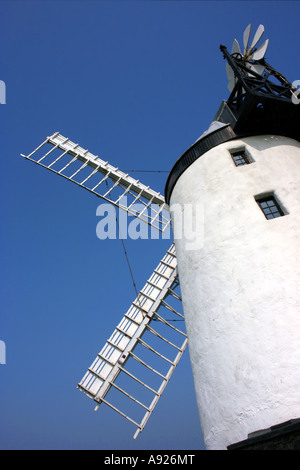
column 194, row 152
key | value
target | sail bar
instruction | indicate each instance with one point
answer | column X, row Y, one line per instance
column 125, row 354
column 102, row 179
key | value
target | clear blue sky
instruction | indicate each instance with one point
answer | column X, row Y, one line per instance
column 136, row 83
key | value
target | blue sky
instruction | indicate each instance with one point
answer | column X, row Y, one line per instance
column 136, row 83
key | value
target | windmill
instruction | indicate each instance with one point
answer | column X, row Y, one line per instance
column 258, row 112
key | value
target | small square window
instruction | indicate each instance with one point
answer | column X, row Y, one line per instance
column 240, row 158
column 270, row 207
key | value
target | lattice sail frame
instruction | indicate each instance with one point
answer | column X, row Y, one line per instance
column 78, row 165
column 102, row 179
column 120, row 347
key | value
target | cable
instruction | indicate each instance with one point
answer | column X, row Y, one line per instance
column 129, row 266
column 146, row 171
column 126, row 255
column 168, row 319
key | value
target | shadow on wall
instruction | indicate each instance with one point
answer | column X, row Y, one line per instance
column 269, row 141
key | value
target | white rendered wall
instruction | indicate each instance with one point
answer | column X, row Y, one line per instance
column 241, row 289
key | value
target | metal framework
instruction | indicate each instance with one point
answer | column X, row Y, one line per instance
column 249, row 81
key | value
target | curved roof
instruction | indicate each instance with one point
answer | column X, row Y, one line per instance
column 215, row 125
column 217, row 133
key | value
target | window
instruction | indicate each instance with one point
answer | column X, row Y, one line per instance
column 270, row 207
column 240, row 158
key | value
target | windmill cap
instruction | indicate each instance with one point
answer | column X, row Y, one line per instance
column 217, row 133
column 215, row 125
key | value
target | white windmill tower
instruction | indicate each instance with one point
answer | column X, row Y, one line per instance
column 238, row 277
column 240, row 291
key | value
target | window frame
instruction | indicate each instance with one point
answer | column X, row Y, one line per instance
column 266, row 198
column 241, row 150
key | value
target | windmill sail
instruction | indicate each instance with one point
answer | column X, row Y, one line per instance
column 67, row 159
column 147, row 344
column 119, row 356
column 140, row 329
column 250, row 57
